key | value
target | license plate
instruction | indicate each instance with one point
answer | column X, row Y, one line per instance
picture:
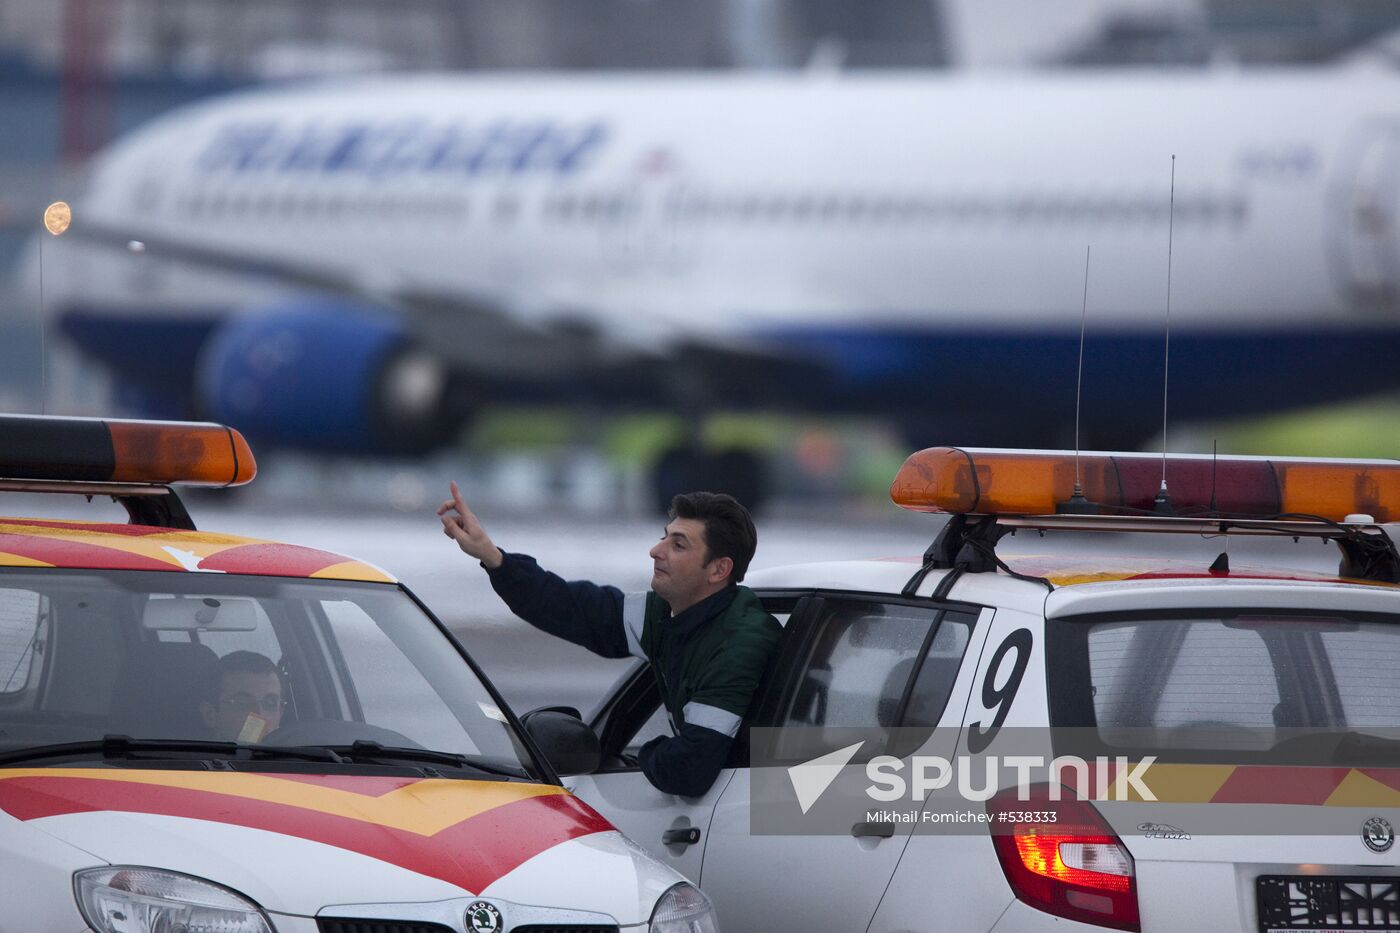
column 1325, row 903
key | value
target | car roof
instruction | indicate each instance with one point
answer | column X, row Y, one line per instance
column 876, row 575
column 1078, row 570
column 40, row 543
column 1108, row 581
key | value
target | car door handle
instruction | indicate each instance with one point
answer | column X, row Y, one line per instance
column 867, row 830
column 681, row 837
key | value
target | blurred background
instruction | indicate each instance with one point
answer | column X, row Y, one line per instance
column 78, row 77
column 578, row 254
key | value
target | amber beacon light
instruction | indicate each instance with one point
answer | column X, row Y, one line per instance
column 53, row 449
column 977, row 481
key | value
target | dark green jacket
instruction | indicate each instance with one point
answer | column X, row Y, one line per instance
column 708, row 660
column 710, row 664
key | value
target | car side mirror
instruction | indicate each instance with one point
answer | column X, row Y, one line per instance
column 564, row 739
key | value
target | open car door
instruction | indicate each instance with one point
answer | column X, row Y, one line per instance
column 673, row 829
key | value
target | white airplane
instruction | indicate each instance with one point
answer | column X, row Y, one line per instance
column 358, row 265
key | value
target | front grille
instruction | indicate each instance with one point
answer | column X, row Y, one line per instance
column 555, row 928
column 337, row 925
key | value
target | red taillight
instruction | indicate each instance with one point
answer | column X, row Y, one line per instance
column 1073, row 867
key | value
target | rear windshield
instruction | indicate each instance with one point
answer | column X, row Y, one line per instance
column 1247, row 680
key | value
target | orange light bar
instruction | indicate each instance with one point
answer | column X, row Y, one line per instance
column 1041, row 482
column 145, row 452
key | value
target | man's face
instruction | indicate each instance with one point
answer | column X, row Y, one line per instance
column 242, row 695
column 680, row 573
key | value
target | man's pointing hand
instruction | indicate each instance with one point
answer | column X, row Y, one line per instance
column 459, row 524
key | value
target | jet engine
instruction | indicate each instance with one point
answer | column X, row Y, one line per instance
column 329, row 376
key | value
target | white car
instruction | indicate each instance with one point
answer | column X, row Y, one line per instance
column 200, row 732
column 1190, row 660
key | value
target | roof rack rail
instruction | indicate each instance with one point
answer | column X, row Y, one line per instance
column 157, row 506
column 968, row 543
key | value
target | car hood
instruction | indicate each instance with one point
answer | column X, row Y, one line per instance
column 297, row 844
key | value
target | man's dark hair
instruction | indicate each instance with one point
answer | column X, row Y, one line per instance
column 246, row 662
column 239, row 662
column 729, row 530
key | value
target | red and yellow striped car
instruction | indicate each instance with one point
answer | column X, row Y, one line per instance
column 204, row 732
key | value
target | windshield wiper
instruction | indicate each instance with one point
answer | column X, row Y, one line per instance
column 363, row 751
column 124, row 747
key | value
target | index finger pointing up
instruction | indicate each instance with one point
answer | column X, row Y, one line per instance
column 458, row 502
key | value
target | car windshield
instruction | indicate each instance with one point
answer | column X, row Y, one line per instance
column 252, row 660
column 1247, row 681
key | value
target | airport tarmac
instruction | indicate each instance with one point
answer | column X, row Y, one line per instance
column 533, row 669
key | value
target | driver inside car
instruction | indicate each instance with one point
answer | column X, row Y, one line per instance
column 245, row 701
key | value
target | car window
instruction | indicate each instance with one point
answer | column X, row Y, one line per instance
column 262, row 638
column 859, row 664
column 1364, row 664
column 939, row 670
column 1176, row 673
column 391, row 692
column 860, row 659
column 1226, row 681
column 21, row 615
column 657, row 724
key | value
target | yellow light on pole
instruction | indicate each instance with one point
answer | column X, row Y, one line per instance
column 57, row 217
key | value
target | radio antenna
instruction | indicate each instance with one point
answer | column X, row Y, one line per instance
column 43, row 323
column 57, row 217
column 1079, row 382
column 1214, row 462
column 1077, row 504
column 1163, row 502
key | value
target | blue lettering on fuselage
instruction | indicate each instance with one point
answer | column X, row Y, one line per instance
column 378, row 150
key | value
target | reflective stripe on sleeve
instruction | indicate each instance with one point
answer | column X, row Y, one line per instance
column 634, row 608
column 711, row 717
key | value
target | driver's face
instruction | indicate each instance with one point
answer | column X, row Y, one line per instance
column 244, row 694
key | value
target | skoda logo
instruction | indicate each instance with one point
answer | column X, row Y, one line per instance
column 484, row 918
column 1378, row 834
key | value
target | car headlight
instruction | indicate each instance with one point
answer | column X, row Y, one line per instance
column 684, row 909
column 148, row 900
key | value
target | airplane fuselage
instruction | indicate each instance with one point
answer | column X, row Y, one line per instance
column 923, row 237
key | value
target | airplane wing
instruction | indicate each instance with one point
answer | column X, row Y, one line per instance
column 479, row 334
column 474, row 332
